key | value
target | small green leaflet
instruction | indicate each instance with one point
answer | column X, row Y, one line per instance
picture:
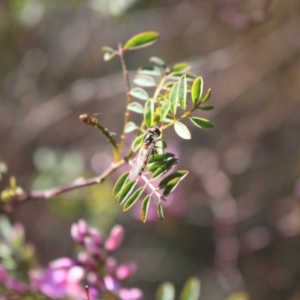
column 144, row 80
column 160, row 211
column 141, row 40
column 165, row 110
column 136, row 107
column 174, row 98
column 149, row 113
column 150, row 70
column 179, row 174
column 126, row 191
column 182, row 89
column 171, row 186
column 158, row 61
column 120, row 183
column 181, row 67
column 139, row 93
column 129, row 127
column 197, row 90
column 182, row 131
column 137, row 142
column 206, row 108
column 134, row 198
column 207, row 96
column 145, row 207
column 202, row 123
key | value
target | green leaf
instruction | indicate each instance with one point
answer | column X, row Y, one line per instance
column 150, row 70
column 171, row 186
column 182, row 87
column 134, row 198
column 160, row 158
column 177, row 75
column 169, row 85
column 149, row 113
column 108, row 53
column 207, row 108
column 129, row 127
column 139, row 93
column 120, row 183
column 181, row 67
column 137, row 142
column 163, row 169
column 144, row 80
column 174, row 98
column 166, row 291
column 197, row 90
column 145, row 207
column 207, row 96
column 182, row 131
column 191, row 289
column 141, row 40
column 158, row 61
column 136, row 107
column 179, row 174
column 202, row 123
column 160, row 211
column 165, row 110
column 126, row 191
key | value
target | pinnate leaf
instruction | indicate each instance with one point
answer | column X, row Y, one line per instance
column 165, row 109
column 182, row 130
column 141, row 40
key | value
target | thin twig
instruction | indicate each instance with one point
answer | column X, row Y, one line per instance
column 50, row 193
column 128, row 97
column 85, row 118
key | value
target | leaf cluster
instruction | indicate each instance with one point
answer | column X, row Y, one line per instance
column 164, row 96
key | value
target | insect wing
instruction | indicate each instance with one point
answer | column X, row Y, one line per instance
column 141, row 162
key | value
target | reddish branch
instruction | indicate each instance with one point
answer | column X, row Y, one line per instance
column 50, row 193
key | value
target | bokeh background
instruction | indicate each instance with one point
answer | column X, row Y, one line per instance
column 235, row 221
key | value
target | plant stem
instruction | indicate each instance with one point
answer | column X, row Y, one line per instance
column 95, row 122
column 50, row 193
column 128, row 97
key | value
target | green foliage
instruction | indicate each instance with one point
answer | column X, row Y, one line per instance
column 176, row 96
column 190, row 291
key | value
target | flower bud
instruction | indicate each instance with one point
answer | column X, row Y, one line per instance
column 125, row 270
column 115, row 238
column 130, row 294
column 111, row 266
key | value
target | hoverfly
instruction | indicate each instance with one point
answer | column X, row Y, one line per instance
column 149, row 142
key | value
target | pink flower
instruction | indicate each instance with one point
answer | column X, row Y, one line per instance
column 115, row 238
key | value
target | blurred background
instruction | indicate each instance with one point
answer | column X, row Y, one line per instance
column 235, row 220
